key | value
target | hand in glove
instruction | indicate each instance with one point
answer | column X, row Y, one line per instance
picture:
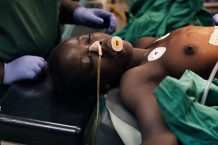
column 215, row 20
column 23, row 68
column 95, row 18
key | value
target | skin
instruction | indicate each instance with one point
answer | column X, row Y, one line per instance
column 186, row 48
column 74, row 54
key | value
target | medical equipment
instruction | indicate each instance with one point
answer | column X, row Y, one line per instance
column 156, row 53
column 162, row 37
column 33, row 113
column 214, row 37
column 214, row 41
column 117, row 43
column 206, row 90
column 96, row 46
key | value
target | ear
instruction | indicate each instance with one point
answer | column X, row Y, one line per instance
column 144, row 42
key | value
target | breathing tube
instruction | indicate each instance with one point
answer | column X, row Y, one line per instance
column 117, row 45
column 211, row 77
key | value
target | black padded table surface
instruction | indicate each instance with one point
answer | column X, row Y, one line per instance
column 31, row 113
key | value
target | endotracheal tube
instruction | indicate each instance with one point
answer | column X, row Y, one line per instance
column 96, row 46
column 117, row 43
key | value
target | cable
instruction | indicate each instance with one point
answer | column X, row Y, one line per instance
column 206, row 90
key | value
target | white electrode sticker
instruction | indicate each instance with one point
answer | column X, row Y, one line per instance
column 163, row 37
column 156, row 53
column 214, row 37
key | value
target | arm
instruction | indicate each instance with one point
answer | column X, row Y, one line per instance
column 72, row 13
column 66, row 11
column 23, row 68
column 136, row 90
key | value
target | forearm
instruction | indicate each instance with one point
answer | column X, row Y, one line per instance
column 151, row 122
column 136, row 91
column 66, row 11
column 1, row 73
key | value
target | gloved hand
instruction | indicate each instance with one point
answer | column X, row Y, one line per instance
column 95, row 18
column 23, row 68
column 215, row 20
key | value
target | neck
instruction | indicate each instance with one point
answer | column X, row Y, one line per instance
column 139, row 57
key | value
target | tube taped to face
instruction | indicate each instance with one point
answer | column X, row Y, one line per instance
column 116, row 43
column 214, row 37
column 96, row 46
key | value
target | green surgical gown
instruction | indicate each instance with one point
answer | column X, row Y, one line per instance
column 28, row 27
column 155, row 18
column 192, row 122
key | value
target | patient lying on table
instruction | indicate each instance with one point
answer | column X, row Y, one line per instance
column 137, row 71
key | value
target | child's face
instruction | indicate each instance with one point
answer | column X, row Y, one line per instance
column 77, row 62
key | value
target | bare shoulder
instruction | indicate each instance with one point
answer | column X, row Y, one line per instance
column 135, row 83
column 144, row 42
column 135, row 78
column 133, row 75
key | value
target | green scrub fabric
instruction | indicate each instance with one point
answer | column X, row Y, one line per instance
column 155, row 18
column 28, row 27
column 192, row 122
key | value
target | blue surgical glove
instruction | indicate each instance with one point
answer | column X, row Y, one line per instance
column 95, row 18
column 24, row 68
column 215, row 20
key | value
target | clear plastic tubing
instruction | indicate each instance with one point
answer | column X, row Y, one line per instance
column 206, row 90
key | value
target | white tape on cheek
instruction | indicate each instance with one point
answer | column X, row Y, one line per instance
column 214, row 37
